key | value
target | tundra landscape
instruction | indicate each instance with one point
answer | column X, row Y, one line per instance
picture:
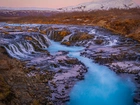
column 88, row 54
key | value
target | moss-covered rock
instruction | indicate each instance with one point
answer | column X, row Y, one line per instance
column 81, row 36
column 98, row 41
column 71, row 61
column 63, row 33
column 6, row 33
column 28, row 38
column 43, row 31
column 66, row 43
column 59, row 35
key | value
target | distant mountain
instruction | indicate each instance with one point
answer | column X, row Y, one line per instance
column 101, row 4
column 25, row 13
column 88, row 6
column 22, row 12
column 27, row 8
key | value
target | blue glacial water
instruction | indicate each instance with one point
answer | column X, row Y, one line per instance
column 56, row 46
column 101, row 85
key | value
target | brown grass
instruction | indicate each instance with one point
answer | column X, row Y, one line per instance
column 4, row 89
column 122, row 21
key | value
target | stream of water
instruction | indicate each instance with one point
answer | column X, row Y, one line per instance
column 101, row 85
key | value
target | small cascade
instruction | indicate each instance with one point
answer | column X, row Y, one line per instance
column 93, row 31
column 41, row 41
column 27, row 49
column 113, row 42
column 67, row 38
column 20, row 50
column 49, row 33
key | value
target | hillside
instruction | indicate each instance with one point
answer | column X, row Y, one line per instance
column 101, row 5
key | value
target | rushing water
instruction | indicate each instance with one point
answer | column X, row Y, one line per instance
column 101, row 85
column 56, row 46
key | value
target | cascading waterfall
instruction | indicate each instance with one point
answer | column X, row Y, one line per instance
column 42, row 40
column 20, row 50
column 26, row 49
column 67, row 38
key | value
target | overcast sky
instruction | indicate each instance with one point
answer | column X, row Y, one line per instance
column 43, row 3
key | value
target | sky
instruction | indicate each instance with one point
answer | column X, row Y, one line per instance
column 43, row 3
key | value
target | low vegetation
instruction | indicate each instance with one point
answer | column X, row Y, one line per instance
column 121, row 21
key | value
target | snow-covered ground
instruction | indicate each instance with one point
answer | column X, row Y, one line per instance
column 101, row 4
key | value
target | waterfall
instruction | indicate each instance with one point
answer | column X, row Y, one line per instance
column 27, row 49
column 20, row 50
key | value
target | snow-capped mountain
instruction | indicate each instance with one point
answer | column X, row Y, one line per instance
column 101, row 4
